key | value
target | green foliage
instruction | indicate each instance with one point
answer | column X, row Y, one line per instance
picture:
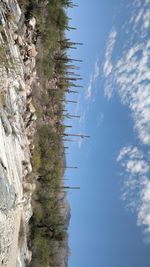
column 40, row 251
column 36, row 159
column 46, row 205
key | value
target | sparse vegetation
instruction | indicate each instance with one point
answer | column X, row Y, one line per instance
column 48, row 227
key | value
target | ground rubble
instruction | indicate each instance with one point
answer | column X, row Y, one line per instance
column 17, row 128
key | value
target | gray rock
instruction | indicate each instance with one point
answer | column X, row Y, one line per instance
column 22, row 85
column 29, row 187
column 7, row 191
column 32, row 23
column 31, row 108
column 5, row 122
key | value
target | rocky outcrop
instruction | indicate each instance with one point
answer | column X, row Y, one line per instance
column 17, row 121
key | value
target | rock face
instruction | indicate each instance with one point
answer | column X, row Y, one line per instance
column 7, row 191
column 15, row 156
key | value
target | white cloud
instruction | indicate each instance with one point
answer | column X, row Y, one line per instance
column 136, row 167
column 132, row 159
column 133, row 152
column 136, row 184
column 130, row 74
column 96, row 70
column 132, row 78
column 140, row 19
column 144, row 209
column 108, row 54
column 93, row 78
column 89, row 89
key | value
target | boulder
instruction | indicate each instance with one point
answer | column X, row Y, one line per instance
column 32, row 146
column 30, row 135
column 22, row 85
column 19, row 40
column 27, row 70
column 23, row 94
column 31, row 108
column 28, row 47
column 15, row 36
column 27, row 165
column 34, row 117
column 28, row 91
column 27, row 62
column 32, row 51
column 32, row 22
column 29, row 99
column 27, row 116
column 25, row 172
column 28, row 187
column 34, row 74
column 29, row 168
column 33, row 62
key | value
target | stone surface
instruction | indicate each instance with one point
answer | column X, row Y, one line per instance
column 32, row 23
column 19, row 40
column 31, row 108
column 32, row 51
column 29, row 187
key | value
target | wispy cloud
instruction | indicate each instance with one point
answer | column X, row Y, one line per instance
column 130, row 75
column 89, row 89
column 136, row 184
column 133, row 160
column 96, row 70
column 93, row 77
column 140, row 19
column 108, row 65
column 109, row 49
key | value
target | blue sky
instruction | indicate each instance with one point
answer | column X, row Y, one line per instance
column 113, row 165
